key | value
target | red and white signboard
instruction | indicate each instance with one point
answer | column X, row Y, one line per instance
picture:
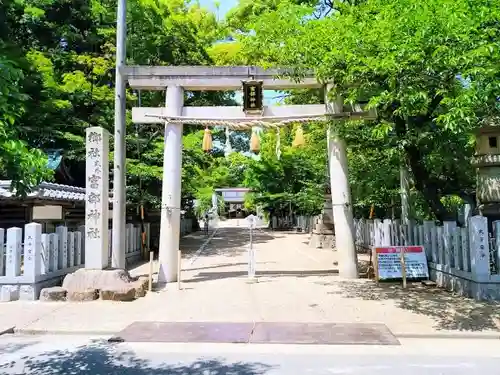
column 388, row 261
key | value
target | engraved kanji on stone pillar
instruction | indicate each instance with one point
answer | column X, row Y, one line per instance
column 479, row 248
column 32, row 250
column 97, row 198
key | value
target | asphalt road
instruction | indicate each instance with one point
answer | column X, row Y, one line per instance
column 75, row 355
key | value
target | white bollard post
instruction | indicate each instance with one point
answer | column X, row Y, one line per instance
column 251, row 221
column 45, row 263
column 2, row 251
column 71, row 249
column 54, row 251
column 14, row 250
column 62, row 234
column 32, row 250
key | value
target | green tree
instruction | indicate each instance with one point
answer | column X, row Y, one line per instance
column 428, row 67
column 295, row 182
column 23, row 165
column 60, row 80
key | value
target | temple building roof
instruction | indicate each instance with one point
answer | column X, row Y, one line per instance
column 46, row 190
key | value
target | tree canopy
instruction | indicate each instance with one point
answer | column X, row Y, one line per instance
column 430, row 68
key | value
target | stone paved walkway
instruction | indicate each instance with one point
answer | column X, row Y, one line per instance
column 296, row 284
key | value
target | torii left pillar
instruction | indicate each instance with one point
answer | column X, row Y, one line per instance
column 171, row 189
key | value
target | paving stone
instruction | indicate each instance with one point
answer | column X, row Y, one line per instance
column 322, row 334
column 186, row 332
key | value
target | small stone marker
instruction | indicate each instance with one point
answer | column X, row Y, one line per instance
column 251, row 221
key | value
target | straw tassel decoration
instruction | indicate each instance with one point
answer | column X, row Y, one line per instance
column 228, row 149
column 255, row 142
column 207, row 140
column 278, row 144
column 299, row 137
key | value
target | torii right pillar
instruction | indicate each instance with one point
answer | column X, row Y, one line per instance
column 341, row 196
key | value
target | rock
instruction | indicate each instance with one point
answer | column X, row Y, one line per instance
column 82, row 295
column 141, row 286
column 120, row 294
column 56, row 293
column 84, row 279
column 113, row 285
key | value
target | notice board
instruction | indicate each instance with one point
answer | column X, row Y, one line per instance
column 388, row 264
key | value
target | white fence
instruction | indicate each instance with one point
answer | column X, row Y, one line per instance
column 31, row 260
column 302, row 223
column 42, row 259
column 465, row 260
column 133, row 242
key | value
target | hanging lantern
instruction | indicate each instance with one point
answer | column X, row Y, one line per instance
column 255, row 143
column 207, row 140
column 299, row 137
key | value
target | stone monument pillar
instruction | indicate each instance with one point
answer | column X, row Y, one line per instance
column 97, row 198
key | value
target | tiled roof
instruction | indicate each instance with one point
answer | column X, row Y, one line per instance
column 46, row 190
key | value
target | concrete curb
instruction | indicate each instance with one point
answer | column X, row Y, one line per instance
column 62, row 332
column 449, row 335
column 401, row 335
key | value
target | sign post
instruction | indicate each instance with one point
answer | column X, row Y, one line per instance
column 252, row 222
column 400, row 262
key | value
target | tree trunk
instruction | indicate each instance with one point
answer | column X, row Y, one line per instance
column 425, row 184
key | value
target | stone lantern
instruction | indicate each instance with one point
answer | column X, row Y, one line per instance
column 323, row 233
column 487, row 164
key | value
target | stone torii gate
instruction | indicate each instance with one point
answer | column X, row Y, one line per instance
column 174, row 80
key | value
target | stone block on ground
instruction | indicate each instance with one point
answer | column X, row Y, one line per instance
column 82, row 295
column 141, row 286
column 96, row 279
column 55, row 293
column 119, row 294
column 112, row 285
column 9, row 293
column 28, row 293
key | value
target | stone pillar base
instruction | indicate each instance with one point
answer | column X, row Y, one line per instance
column 322, row 240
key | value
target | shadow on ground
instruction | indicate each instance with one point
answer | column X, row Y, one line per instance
column 100, row 358
column 450, row 311
column 226, row 241
column 12, row 348
column 207, row 276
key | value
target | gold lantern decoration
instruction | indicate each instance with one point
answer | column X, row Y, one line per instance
column 255, row 142
column 207, row 140
column 299, row 137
